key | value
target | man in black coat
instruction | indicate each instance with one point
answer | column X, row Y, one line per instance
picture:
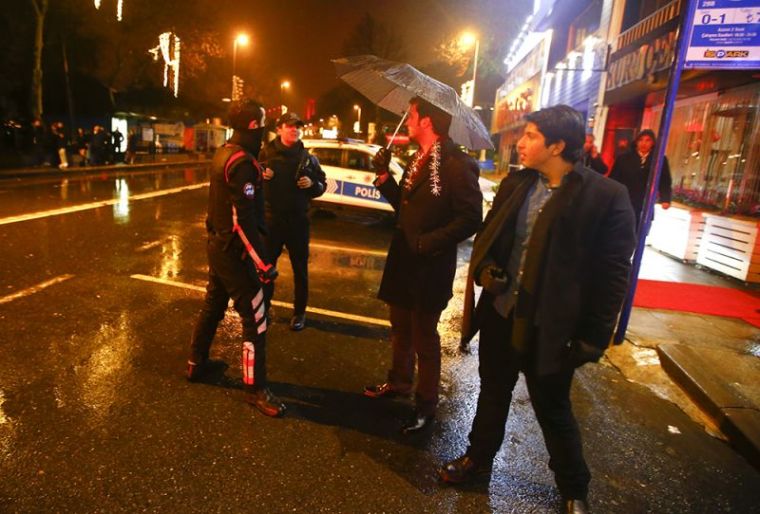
column 632, row 169
column 553, row 258
column 438, row 204
column 591, row 157
column 291, row 179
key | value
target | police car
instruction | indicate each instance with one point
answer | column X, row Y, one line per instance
column 348, row 167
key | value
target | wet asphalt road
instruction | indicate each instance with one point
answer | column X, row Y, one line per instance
column 95, row 415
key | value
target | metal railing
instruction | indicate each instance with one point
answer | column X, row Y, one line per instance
column 657, row 19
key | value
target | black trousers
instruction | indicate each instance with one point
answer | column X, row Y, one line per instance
column 499, row 367
column 231, row 276
column 291, row 232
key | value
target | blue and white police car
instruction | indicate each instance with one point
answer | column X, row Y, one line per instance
column 348, row 168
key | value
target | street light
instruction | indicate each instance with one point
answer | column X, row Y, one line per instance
column 242, row 40
column 358, row 126
column 285, row 84
column 466, row 40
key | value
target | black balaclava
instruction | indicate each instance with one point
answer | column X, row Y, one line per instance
column 243, row 116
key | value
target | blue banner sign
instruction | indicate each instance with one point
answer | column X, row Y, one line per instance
column 725, row 34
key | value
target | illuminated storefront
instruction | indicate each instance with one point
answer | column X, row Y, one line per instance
column 519, row 95
column 714, row 141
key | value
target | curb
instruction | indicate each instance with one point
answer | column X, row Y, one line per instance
column 713, row 378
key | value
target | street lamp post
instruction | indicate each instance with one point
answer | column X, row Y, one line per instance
column 285, row 84
column 242, row 40
column 467, row 39
column 358, row 127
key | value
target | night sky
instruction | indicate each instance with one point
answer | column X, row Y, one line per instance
column 297, row 39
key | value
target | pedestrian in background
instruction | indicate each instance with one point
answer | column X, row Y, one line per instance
column 291, row 179
column 591, row 157
column 59, row 138
column 98, row 146
column 40, row 143
column 81, row 143
column 438, row 204
column 553, row 258
column 129, row 157
column 632, row 169
column 235, row 225
column 117, row 138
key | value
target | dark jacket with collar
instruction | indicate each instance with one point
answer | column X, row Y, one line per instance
column 629, row 171
column 422, row 257
column 586, row 263
column 283, row 197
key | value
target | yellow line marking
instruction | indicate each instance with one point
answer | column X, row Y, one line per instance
column 96, row 205
column 348, row 249
column 34, row 289
column 313, row 310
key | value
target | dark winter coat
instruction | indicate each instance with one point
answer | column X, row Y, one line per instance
column 629, row 171
column 283, row 197
column 586, row 263
column 422, row 258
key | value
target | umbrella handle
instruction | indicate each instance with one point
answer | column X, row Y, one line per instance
column 406, row 112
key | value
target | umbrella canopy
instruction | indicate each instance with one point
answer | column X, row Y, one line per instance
column 392, row 84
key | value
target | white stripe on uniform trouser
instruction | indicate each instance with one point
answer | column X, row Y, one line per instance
column 259, row 312
column 249, row 358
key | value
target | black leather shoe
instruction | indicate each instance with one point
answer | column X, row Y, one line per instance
column 382, row 391
column 574, row 506
column 267, row 403
column 198, row 370
column 463, row 470
column 418, row 423
column 298, row 322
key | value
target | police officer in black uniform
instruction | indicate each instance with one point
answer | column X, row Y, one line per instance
column 291, row 179
column 235, row 224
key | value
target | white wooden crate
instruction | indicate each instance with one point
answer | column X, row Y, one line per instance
column 677, row 231
column 731, row 246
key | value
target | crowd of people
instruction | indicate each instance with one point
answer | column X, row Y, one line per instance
column 53, row 145
column 552, row 257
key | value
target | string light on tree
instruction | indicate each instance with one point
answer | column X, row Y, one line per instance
column 168, row 46
column 119, row 7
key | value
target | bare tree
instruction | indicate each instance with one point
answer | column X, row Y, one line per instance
column 40, row 11
column 374, row 37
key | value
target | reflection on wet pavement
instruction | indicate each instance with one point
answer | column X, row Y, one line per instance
column 169, row 260
column 111, row 360
column 121, row 208
column 50, row 193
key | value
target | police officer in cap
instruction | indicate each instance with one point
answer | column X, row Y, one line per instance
column 291, row 179
column 235, row 226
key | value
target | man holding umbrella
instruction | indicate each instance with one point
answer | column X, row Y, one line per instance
column 438, row 204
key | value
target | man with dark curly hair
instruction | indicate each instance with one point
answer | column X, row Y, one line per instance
column 553, row 258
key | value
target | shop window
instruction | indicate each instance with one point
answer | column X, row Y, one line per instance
column 714, row 152
column 584, row 25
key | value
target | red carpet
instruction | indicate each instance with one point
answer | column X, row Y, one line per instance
column 715, row 301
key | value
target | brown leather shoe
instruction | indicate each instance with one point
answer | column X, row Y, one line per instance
column 574, row 506
column 266, row 402
column 382, row 391
column 464, row 470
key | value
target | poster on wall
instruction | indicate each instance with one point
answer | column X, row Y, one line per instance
column 725, row 35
